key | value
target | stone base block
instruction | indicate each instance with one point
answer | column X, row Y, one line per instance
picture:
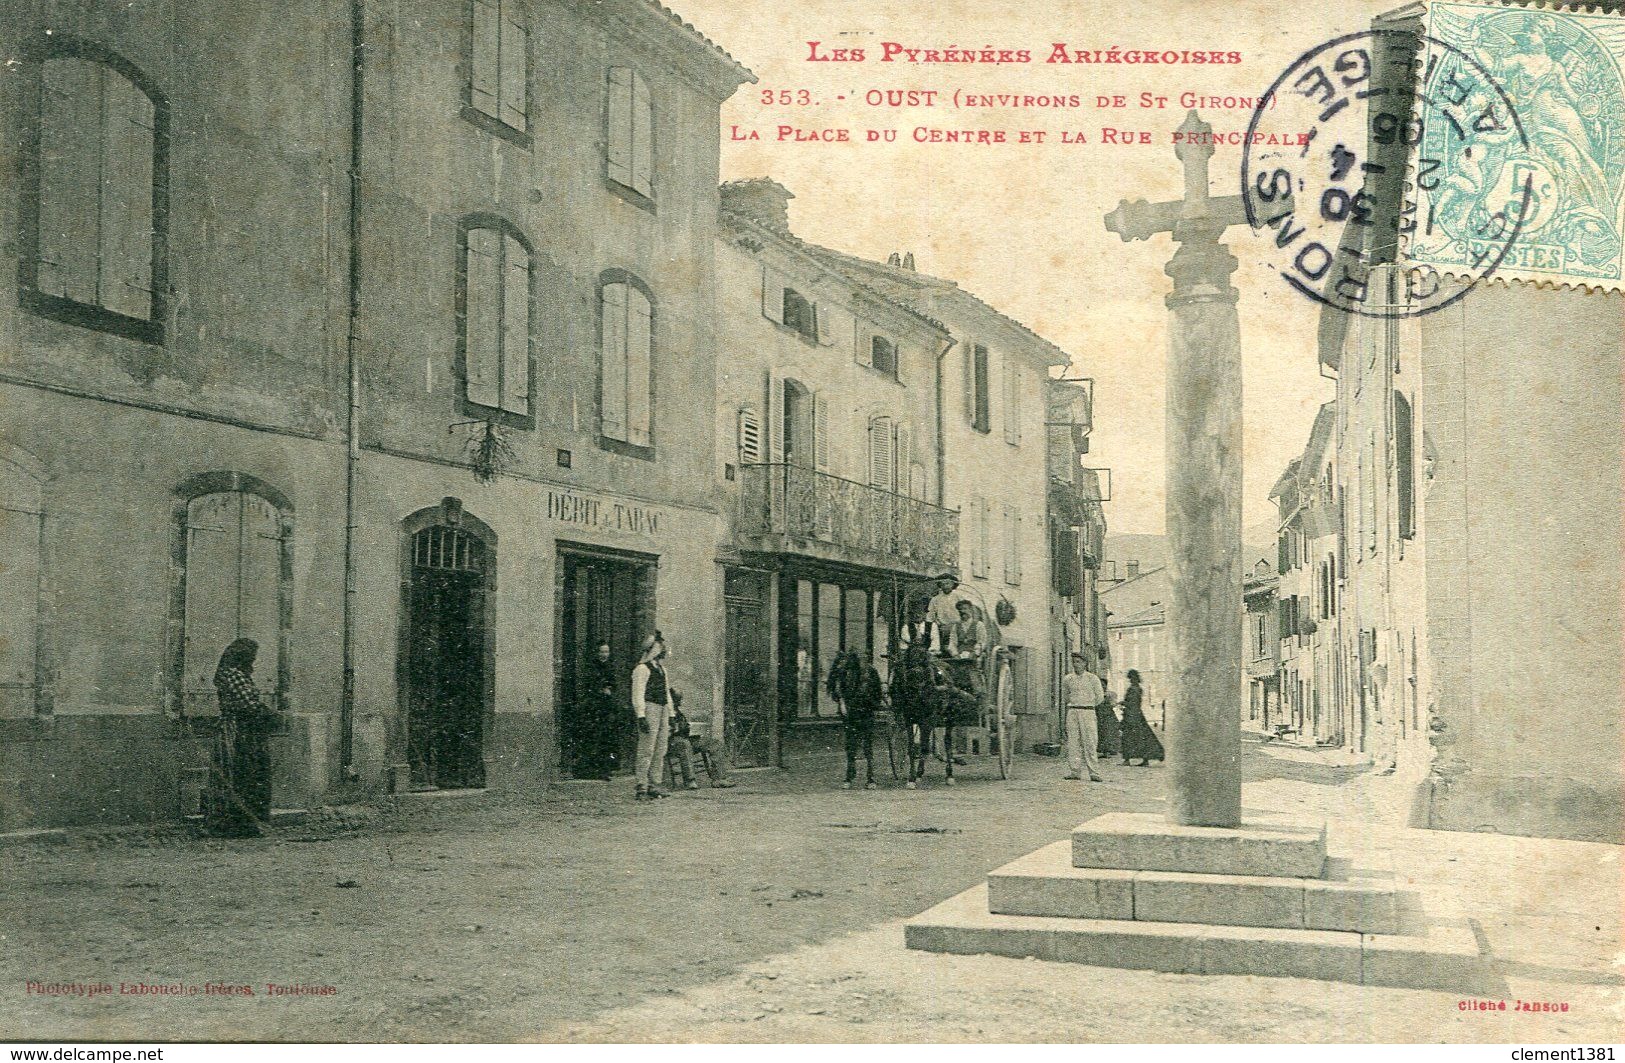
column 1443, row 957
column 1045, row 883
column 1262, row 846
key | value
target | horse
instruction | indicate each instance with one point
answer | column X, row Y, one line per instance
column 925, row 699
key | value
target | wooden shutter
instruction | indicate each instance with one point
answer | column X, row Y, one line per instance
column 70, row 159
column 21, row 522
column 639, row 367
column 970, row 382
column 482, row 351
column 515, row 327
column 1015, row 547
column 612, row 387
column 126, row 223
column 619, row 134
column 642, row 137
column 905, row 458
column 984, row 552
column 881, row 473
column 259, row 584
column 823, row 429
column 775, row 417
column 485, row 64
column 836, row 325
column 514, row 59
column 1012, row 401
column 750, row 436
column 862, row 344
column 772, row 296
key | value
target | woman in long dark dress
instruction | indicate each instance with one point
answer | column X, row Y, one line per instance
column 1139, row 741
column 240, row 794
column 601, row 728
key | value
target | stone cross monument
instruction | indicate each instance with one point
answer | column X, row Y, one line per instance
column 1203, row 488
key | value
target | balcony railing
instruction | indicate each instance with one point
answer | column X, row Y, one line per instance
column 794, row 509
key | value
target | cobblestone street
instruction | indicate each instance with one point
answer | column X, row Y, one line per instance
column 768, row 912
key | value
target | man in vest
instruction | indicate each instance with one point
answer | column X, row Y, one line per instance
column 651, row 702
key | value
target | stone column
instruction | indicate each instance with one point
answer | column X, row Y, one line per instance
column 1204, row 533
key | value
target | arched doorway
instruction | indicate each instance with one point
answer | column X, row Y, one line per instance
column 447, row 658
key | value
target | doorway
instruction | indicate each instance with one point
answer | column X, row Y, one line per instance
column 605, row 598
column 748, row 709
column 447, row 675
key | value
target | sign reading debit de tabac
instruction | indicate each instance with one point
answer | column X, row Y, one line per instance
column 605, row 514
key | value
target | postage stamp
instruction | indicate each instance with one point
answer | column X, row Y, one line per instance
column 1563, row 69
column 1358, row 112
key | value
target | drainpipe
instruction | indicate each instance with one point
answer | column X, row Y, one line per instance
column 352, row 422
column 942, row 450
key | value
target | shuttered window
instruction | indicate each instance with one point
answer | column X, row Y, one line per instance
column 233, row 563
column 496, row 328
column 1405, row 466
column 750, row 436
column 798, row 313
column 499, row 63
column 630, row 140
column 1012, row 545
column 882, row 464
column 977, row 405
column 883, row 355
column 98, row 204
column 626, row 387
column 1012, row 401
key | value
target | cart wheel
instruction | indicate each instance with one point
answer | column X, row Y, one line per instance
column 1005, row 709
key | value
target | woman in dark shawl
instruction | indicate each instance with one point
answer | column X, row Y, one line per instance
column 1139, row 741
column 240, row 795
column 603, row 718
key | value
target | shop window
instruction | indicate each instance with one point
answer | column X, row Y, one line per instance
column 96, row 195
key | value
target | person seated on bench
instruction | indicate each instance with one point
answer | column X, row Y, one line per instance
column 684, row 743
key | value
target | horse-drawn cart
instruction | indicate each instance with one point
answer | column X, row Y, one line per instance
column 972, row 712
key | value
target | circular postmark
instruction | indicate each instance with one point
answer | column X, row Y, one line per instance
column 1379, row 123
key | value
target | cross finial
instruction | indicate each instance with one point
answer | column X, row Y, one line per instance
column 1194, row 148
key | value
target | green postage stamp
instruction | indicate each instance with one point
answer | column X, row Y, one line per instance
column 1552, row 170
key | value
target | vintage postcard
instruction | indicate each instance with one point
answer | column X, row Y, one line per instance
column 866, row 521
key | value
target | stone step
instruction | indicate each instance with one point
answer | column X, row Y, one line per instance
column 1444, row 955
column 1045, row 883
column 1272, row 846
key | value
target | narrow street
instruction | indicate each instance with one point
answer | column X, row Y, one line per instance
column 763, row 913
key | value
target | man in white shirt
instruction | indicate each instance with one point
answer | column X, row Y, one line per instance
column 1083, row 692
column 652, row 703
column 943, row 613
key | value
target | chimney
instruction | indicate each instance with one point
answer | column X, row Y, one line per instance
column 894, row 260
column 761, row 199
column 1133, row 570
column 908, row 261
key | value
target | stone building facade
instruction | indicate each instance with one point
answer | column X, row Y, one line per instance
column 992, row 467
column 826, row 460
column 248, row 375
